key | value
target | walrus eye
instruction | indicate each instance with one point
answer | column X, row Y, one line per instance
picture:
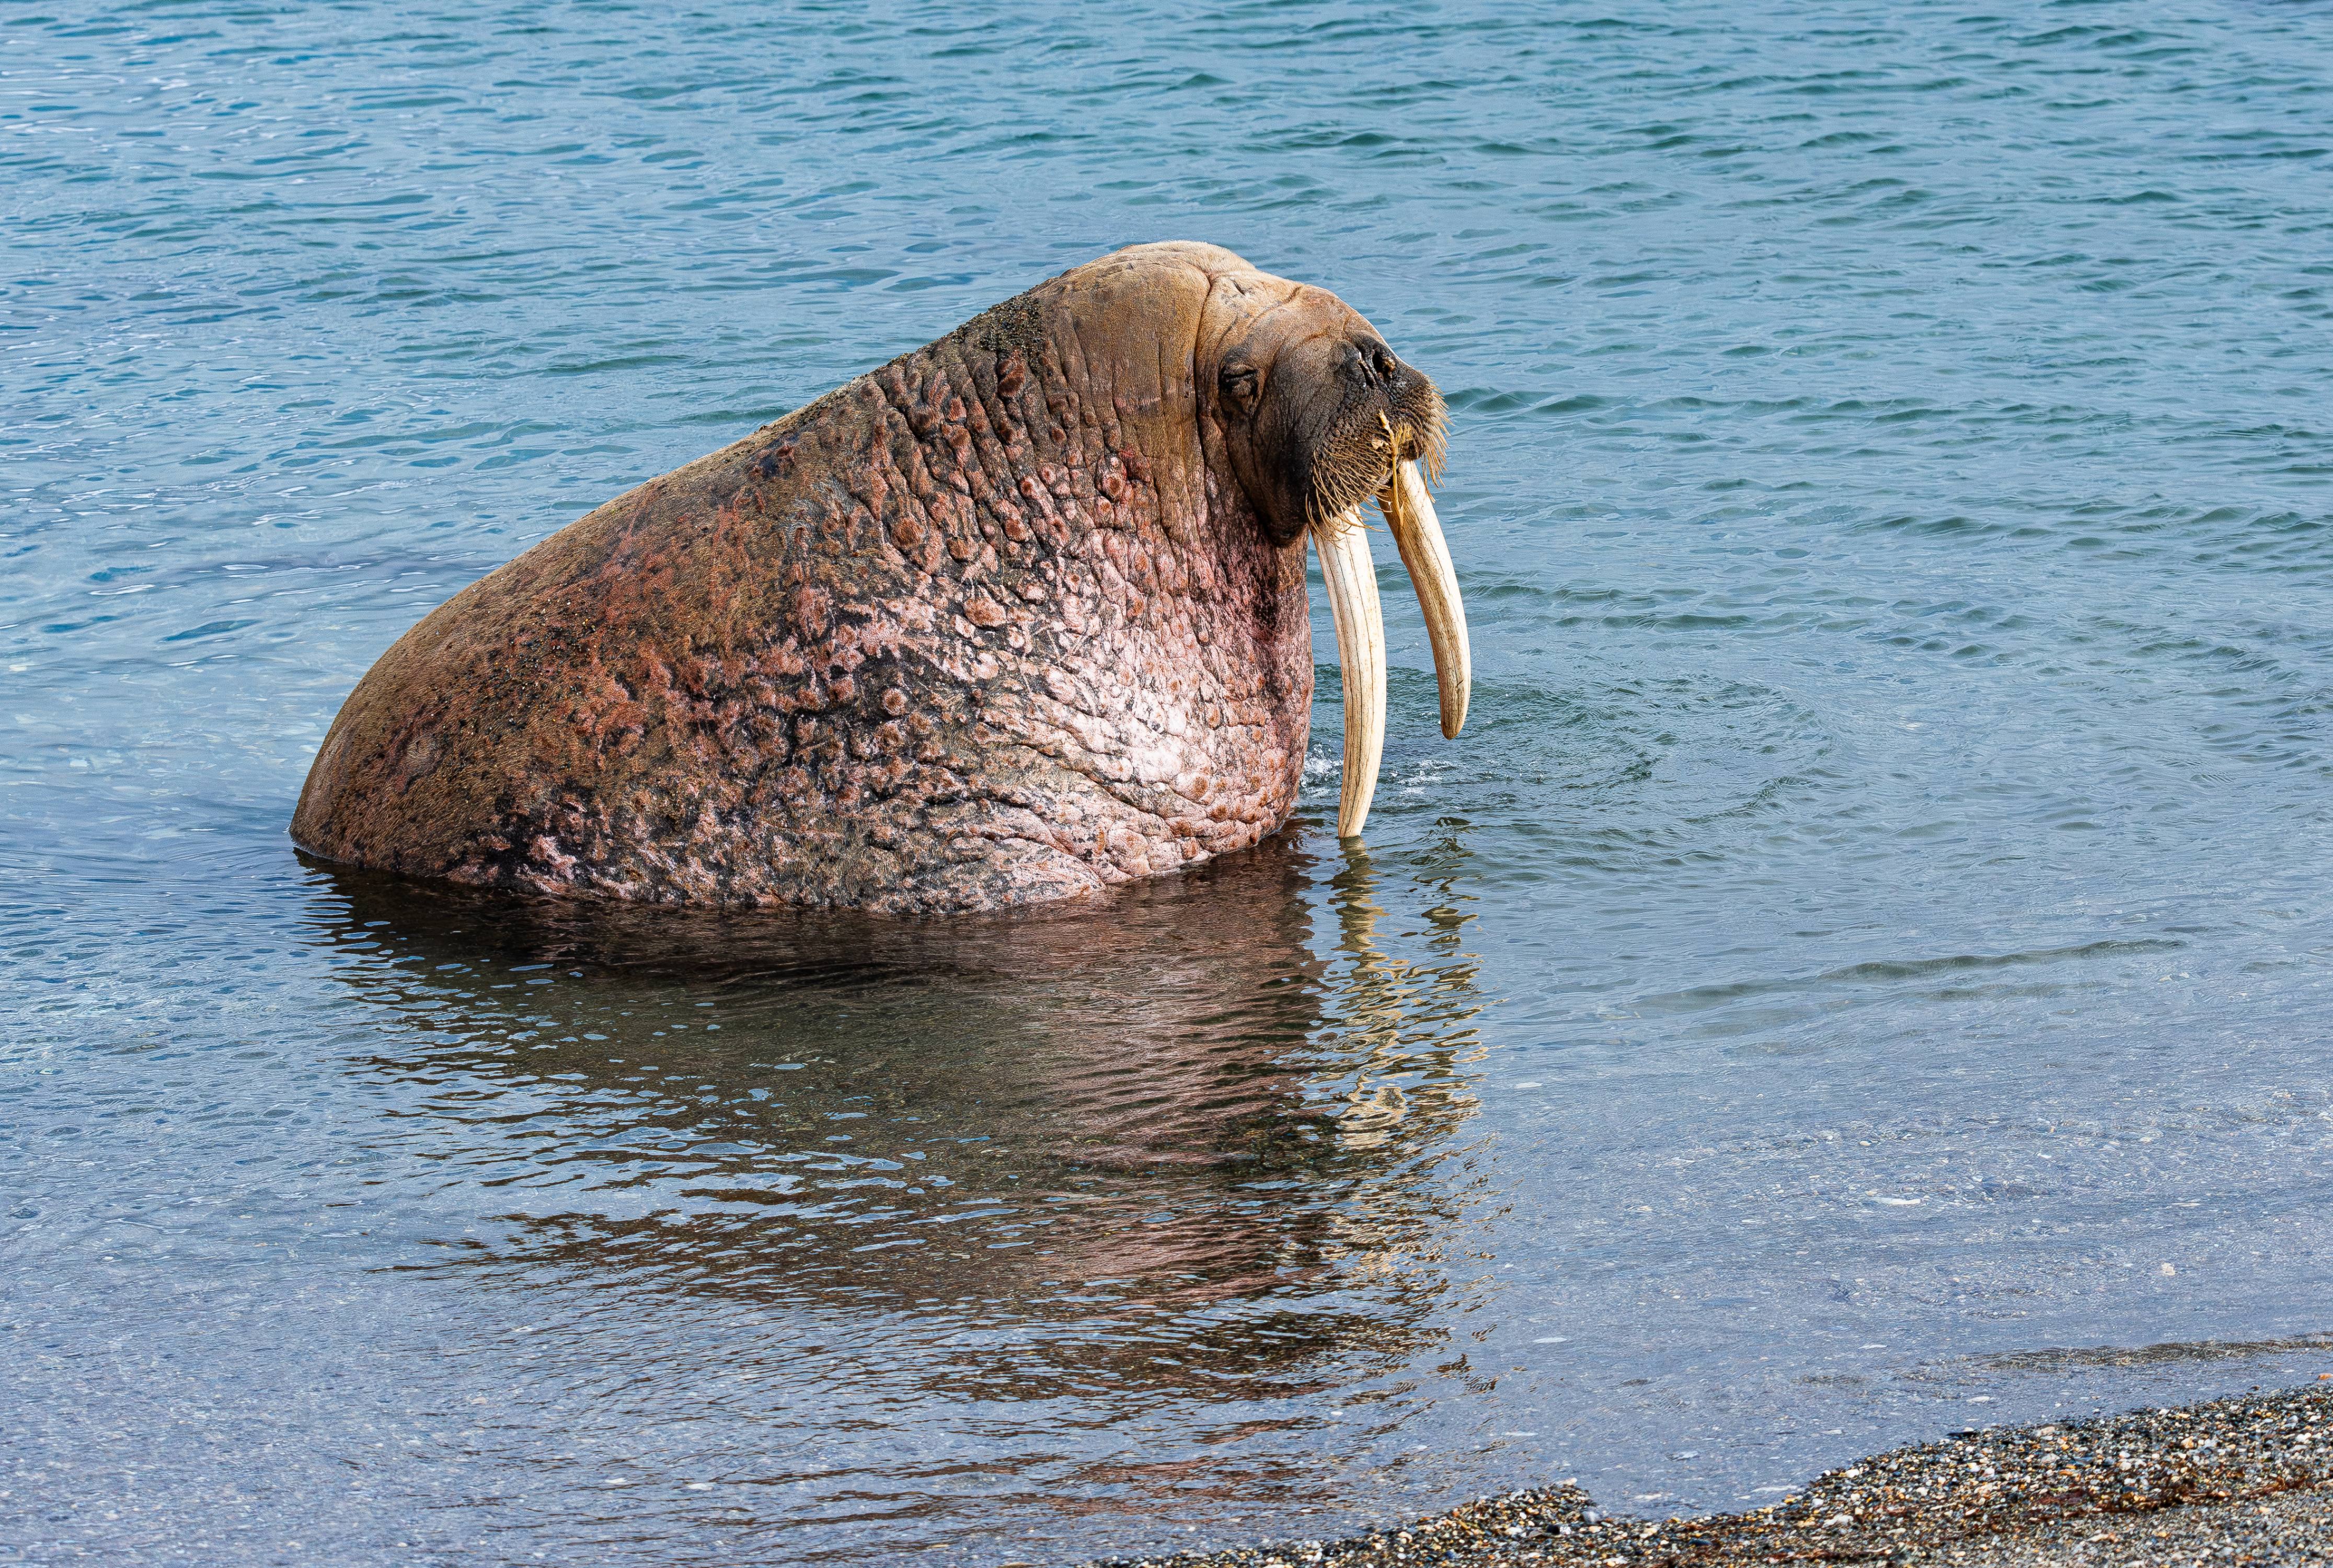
column 1239, row 387
column 1382, row 358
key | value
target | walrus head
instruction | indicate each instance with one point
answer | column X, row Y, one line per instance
column 1318, row 416
column 1316, row 409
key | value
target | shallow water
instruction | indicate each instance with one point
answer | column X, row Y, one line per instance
column 1862, row 973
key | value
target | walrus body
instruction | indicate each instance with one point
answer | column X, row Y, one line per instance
column 1001, row 621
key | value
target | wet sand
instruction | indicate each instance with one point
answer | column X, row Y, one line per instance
column 2240, row 1480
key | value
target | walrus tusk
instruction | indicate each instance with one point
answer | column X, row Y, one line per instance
column 1352, row 580
column 1410, row 513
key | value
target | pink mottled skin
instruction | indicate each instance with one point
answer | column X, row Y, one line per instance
column 996, row 623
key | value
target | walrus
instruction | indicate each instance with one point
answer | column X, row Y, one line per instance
column 1018, row 617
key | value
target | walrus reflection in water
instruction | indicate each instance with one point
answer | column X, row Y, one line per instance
column 1000, row 1111
column 1018, row 617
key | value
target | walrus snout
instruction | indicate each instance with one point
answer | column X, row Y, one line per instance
column 1405, row 405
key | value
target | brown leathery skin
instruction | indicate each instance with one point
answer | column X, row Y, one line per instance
column 992, row 623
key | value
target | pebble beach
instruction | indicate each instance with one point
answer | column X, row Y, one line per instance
column 2237, row 1480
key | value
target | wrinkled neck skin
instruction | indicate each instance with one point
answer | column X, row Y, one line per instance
column 993, row 624
column 1154, row 684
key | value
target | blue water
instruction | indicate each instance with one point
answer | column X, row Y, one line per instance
column 1863, row 973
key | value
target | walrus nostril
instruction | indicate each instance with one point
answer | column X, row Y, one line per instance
column 1372, row 361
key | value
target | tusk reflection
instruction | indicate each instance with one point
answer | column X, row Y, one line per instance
column 1408, row 1026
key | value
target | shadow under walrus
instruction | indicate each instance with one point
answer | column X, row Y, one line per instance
column 1188, row 1142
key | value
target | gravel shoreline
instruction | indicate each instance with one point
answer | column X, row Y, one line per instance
column 2239, row 1480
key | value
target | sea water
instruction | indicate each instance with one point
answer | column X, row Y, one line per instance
column 1862, row 974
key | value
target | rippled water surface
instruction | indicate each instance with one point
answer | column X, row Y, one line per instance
column 1862, row 974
